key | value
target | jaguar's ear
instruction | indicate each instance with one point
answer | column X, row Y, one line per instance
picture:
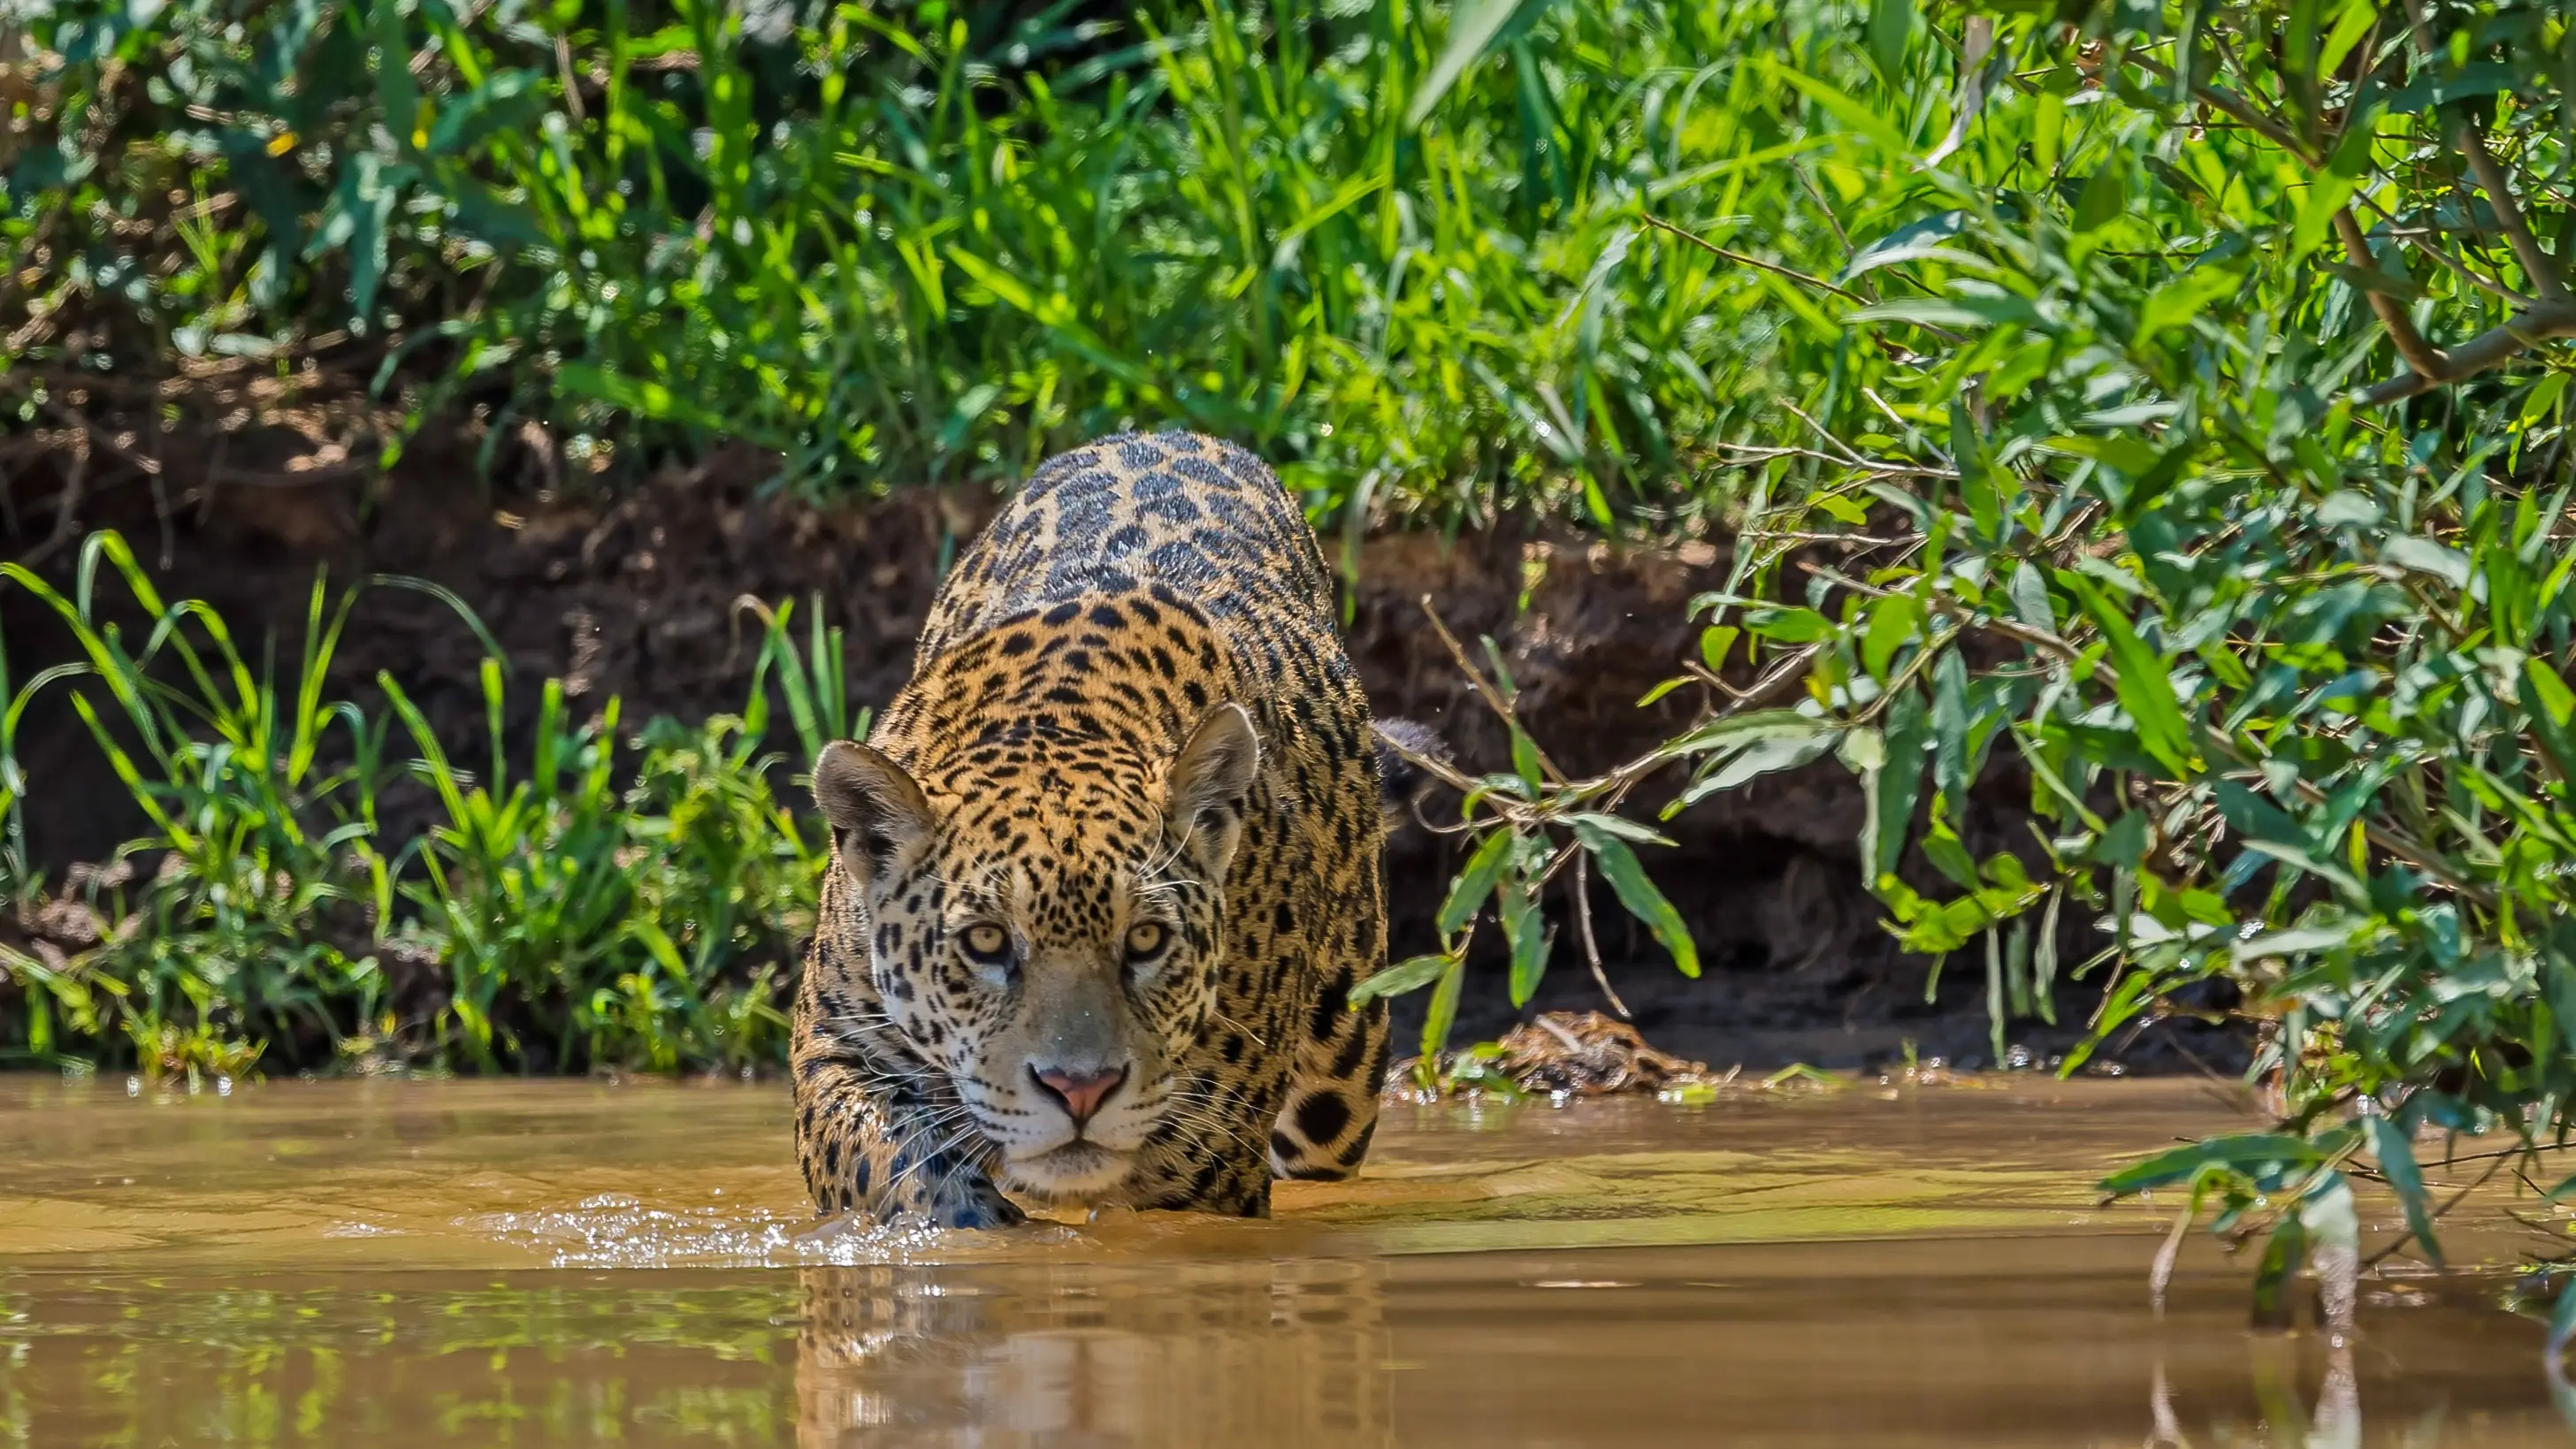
column 1205, row 791
column 877, row 814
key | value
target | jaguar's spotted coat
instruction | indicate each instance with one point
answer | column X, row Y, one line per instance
column 1113, row 853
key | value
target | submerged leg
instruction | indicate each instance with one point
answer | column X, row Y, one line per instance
column 1330, row 1114
column 874, row 1135
column 887, row 1154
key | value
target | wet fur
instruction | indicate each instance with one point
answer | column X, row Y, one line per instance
column 1129, row 592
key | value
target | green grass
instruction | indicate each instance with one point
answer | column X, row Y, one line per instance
column 898, row 254
column 605, row 899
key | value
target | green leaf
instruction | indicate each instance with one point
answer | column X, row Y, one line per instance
column 2350, row 26
column 1475, row 882
column 1736, row 730
column 1525, row 760
column 1950, row 726
column 1789, row 626
column 1893, row 787
column 1863, row 750
column 2030, row 598
column 1627, row 877
column 1615, row 825
column 2550, row 691
column 2543, row 398
column 1842, row 508
column 2180, row 300
column 1411, row 974
column 1475, row 28
column 2145, row 690
column 1865, row 120
column 1661, row 689
column 1942, row 847
column 1892, row 622
column 1891, row 24
column 2283, row 1252
column 2396, row 1158
column 1715, row 642
column 1443, row 1012
column 1526, row 934
column 645, row 399
column 2424, row 556
column 2253, row 1154
column 1762, row 757
column 2295, row 942
column 2104, row 197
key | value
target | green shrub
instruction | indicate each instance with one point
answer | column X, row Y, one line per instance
column 629, row 902
column 2150, row 476
column 882, row 245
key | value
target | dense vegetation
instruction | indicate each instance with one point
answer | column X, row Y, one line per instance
column 2199, row 453
column 923, row 243
column 617, row 898
column 2163, row 405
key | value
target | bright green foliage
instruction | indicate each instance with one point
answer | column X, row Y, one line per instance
column 902, row 247
column 611, row 901
column 2198, row 453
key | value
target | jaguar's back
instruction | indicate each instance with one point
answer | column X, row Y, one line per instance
column 1108, row 868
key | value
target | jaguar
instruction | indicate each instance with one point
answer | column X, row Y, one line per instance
column 1107, row 868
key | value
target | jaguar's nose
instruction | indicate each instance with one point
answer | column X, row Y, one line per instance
column 1080, row 1094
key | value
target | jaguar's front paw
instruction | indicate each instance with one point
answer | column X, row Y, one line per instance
column 980, row 1208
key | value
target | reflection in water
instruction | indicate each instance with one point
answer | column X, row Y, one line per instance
column 1735, row 1345
column 427, row 1266
column 1094, row 1354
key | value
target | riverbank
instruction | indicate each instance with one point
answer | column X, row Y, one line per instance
column 638, row 596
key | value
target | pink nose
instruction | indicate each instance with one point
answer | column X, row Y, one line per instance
column 1081, row 1095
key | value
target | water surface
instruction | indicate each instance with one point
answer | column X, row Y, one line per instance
column 434, row 1264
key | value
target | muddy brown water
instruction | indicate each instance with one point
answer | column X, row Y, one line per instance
column 434, row 1264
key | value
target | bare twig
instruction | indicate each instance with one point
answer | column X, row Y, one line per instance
column 2533, row 326
column 2238, row 107
column 1894, row 417
column 100, row 438
column 1493, row 697
column 2375, row 1259
column 1583, row 928
column 1792, row 273
column 2471, row 143
column 2422, row 357
column 66, row 509
column 2421, row 241
column 1742, row 453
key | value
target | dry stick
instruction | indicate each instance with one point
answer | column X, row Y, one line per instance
column 2239, row 108
column 2426, row 359
column 2417, row 238
column 1492, row 696
column 2471, row 143
column 1611, row 786
column 1583, row 927
column 66, row 516
column 2439, row 1213
column 2533, row 326
column 2550, row 319
column 1792, row 273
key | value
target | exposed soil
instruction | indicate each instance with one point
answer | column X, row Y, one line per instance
column 637, row 597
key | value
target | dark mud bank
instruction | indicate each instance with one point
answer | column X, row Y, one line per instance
column 639, row 598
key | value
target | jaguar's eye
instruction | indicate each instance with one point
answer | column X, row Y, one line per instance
column 987, row 943
column 1146, row 938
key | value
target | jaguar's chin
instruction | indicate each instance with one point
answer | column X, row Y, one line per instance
column 1074, row 1172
